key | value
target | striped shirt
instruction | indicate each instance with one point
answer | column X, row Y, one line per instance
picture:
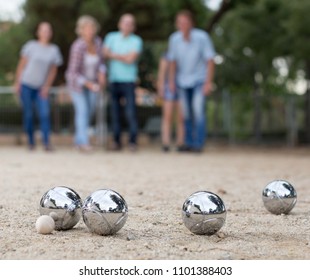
column 75, row 74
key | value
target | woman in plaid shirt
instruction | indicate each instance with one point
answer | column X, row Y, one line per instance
column 86, row 77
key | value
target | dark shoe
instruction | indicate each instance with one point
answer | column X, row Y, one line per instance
column 49, row 148
column 85, row 148
column 165, row 149
column 196, row 150
column 31, row 147
column 116, row 147
column 183, row 148
column 133, row 147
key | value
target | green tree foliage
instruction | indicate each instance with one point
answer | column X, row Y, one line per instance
column 298, row 32
column 242, row 39
column 10, row 42
column 252, row 39
column 253, row 35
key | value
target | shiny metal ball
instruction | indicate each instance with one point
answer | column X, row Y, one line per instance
column 204, row 213
column 63, row 204
column 105, row 212
column 279, row 197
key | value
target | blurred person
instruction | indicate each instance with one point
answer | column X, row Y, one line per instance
column 170, row 105
column 35, row 74
column 122, row 48
column 191, row 70
column 85, row 77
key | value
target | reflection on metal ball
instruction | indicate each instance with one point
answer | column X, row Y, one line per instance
column 63, row 204
column 279, row 197
column 204, row 213
column 105, row 212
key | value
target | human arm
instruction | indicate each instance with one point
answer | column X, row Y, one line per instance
column 209, row 54
column 172, row 63
column 129, row 58
column 49, row 81
column 125, row 58
column 102, row 69
column 207, row 87
column 172, row 74
column 161, row 76
column 20, row 67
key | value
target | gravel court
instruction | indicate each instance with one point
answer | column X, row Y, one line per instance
column 155, row 185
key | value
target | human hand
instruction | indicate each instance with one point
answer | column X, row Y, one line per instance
column 92, row 86
column 44, row 92
column 16, row 88
column 207, row 89
column 95, row 87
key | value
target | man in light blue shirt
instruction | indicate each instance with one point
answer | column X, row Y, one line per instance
column 122, row 49
column 191, row 54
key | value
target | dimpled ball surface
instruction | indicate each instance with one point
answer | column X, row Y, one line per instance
column 279, row 197
column 204, row 212
column 63, row 204
column 105, row 212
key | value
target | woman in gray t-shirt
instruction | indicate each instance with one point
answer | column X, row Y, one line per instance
column 35, row 74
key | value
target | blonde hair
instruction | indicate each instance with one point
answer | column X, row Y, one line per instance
column 86, row 19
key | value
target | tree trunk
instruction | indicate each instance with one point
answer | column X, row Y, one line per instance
column 225, row 6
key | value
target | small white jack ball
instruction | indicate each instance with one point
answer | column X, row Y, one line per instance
column 45, row 224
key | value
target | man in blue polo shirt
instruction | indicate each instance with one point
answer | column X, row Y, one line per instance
column 191, row 71
column 122, row 49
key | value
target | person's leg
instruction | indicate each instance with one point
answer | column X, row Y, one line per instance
column 167, row 111
column 129, row 93
column 199, row 109
column 186, row 101
column 115, row 113
column 179, row 125
column 80, row 118
column 27, row 103
column 43, row 110
column 92, row 99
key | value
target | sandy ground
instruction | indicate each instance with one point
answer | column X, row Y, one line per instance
column 155, row 186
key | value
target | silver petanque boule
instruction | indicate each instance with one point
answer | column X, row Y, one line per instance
column 105, row 212
column 279, row 197
column 63, row 204
column 204, row 213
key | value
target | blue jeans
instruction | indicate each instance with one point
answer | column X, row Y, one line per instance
column 84, row 107
column 120, row 91
column 31, row 100
column 193, row 105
